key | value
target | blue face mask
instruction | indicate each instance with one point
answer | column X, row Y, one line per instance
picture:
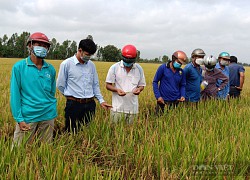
column 176, row 65
column 127, row 64
column 40, row 51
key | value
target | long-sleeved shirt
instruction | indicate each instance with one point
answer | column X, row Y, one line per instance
column 212, row 77
column 193, row 80
column 172, row 84
column 33, row 92
column 222, row 94
column 78, row 80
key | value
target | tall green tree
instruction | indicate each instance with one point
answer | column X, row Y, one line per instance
column 90, row 37
column 111, row 53
column 21, row 45
column 99, row 53
column 4, row 48
column 165, row 58
column 72, row 48
column 51, row 53
column 64, row 49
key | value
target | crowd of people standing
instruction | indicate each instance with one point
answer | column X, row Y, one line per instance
column 34, row 108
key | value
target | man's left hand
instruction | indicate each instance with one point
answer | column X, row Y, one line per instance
column 106, row 106
column 181, row 99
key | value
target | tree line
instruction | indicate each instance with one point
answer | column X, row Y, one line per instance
column 16, row 47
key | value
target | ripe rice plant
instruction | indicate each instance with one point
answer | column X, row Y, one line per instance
column 210, row 142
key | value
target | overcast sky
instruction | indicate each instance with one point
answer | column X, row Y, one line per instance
column 155, row 27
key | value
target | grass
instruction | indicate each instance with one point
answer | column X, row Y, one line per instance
column 211, row 142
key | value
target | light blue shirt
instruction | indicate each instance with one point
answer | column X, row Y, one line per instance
column 78, row 80
column 33, row 92
column 222, row 94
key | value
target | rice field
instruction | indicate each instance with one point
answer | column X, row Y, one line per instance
column 211, row 142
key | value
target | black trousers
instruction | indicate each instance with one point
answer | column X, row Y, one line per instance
column 234, row 92
column 159, row 109
column 78, row 114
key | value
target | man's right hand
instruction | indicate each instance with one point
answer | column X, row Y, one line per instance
column 160, row 100
column 239, row 88
column 23, row 126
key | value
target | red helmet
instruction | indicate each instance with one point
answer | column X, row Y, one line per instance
column 129, row 51
column 40, row 37
column 181, row 56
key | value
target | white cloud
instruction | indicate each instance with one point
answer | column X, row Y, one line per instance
column 155, row 27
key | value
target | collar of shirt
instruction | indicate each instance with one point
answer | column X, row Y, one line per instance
column 76, row 60
column 218, row 65
column 30, row 63
column 196, row 67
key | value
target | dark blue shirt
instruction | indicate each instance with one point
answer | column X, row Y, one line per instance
column 234, row 73
column 193, row 80
column 172, row 84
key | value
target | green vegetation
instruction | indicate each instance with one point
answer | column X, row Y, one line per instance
column 211, row 142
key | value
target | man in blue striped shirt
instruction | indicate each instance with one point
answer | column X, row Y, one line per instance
column 32, row 89
column 78, row 82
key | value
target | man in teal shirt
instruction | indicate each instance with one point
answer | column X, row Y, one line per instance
column 33, row 87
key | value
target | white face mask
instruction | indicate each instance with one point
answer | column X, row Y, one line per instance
column 224, row 63
column 199, row 61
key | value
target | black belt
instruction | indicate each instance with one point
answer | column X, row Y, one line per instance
column 80, row 100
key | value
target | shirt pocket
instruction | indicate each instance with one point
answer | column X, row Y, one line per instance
column 47, row 84
column 88, row 78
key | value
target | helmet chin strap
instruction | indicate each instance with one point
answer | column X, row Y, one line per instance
column 31, row 50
